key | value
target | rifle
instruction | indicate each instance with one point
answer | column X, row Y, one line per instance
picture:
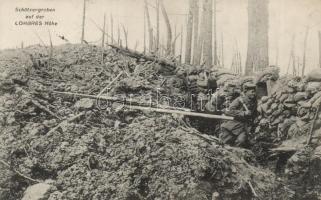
column 148, row 107
column 315, row 117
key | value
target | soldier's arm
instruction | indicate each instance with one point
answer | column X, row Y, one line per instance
column 236, row 109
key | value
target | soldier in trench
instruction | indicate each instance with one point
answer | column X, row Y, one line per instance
column 218, row 103
column 243, row 109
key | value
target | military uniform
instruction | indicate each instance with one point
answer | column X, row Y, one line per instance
column 243, row 108
column 218, row 103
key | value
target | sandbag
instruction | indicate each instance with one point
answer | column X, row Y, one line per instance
column 313, row 86
column 300, row 96
column 269, row 73
column 314, row 75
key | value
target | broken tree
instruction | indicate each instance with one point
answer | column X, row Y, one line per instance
column 196, row 54
column 149, row 27
column 258, row 22
column 189, row 33
column 83, row 23
column 207, row 47
column 169, row 29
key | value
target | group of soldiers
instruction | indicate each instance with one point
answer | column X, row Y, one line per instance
column 232, row 99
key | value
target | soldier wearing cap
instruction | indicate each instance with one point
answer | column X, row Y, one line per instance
column 221, row 98
column 243, row 109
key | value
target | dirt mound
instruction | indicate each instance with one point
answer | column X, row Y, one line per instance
column 91, row 152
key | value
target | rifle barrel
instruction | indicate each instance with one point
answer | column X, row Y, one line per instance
column 160, row 110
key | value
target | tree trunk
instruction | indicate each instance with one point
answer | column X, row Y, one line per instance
column 320, row 48
column 291, row 53
column 207, row 48
column 222, row 50
column 112, row 28
column 150, row 29
column 239, row 63
column 103, row 40
column 118, row 36
column 189, row 33
column 202, row 33
column 104, row 31
column 169, row 29
column 196, row 53
column 216, row 61
column 83, row 23
column 174, row 42
column 181, row 47
column 257, row 52
column 304, row 50
column 144, row 31
column 126, row 36
column 157, row 27
column 277, row 54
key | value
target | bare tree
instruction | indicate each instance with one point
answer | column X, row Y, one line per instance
column 144, row 31
column 233, row 66
column 103, row 40
column 207, row 48
column 239, row 62
column 277, row 53
column 196, row 53
column 319, row 33
column 305, row 49
column 216, row 61
column 103, row 33
column 157, row 26
column 150, row 29
column 83, row 23
column 168, row 27
column 181, row 47
column 112, row 28
column 51, row 49
column 291, row 54
column 174, row 42
column 297, row 67
column 189, row 33
column 257, row 52
column 118, row 36
column 106, row 31
column 125, row 35
column 222, row 50
column 202, row 32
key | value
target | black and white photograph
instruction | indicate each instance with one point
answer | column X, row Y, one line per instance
column 160, row 99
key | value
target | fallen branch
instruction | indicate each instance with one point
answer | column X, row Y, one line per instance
column 67, row 120
column 138, row 55
column 252, row 189
column 209, row 140
column 44, row 108
column 100, row 93
column 20, row 174
column 285, row 149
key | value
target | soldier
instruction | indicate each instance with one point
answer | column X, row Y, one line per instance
column 221, row 98
column 243, row 109
column 218, row 103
